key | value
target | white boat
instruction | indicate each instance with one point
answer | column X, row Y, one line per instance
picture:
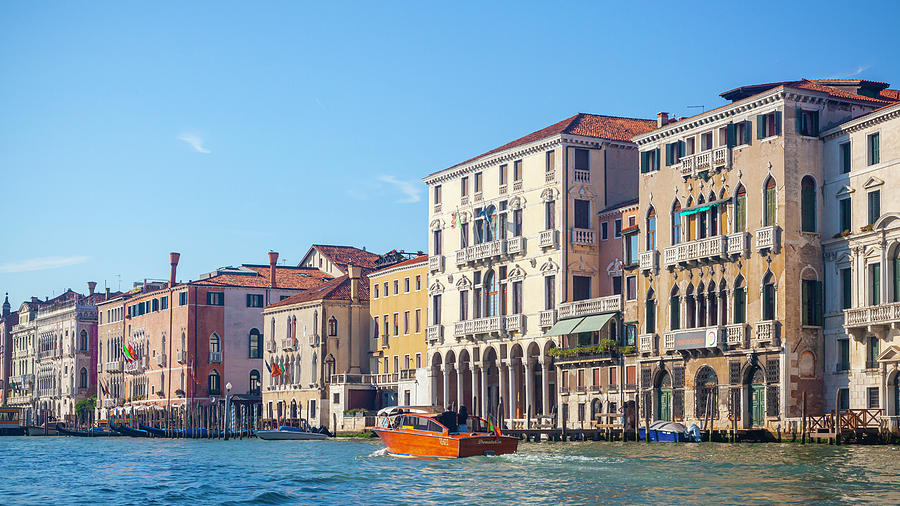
column 285, row 432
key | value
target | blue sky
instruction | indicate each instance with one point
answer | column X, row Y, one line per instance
column 224, row 130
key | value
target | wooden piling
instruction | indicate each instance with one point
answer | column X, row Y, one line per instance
column 803, row 421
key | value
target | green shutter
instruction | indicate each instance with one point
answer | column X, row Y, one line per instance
column 760, row 126
column 644, row 162
column 808, row 209
column 896, row 286
column 815, row 123
column 729, row 135
column 669, row 154
column 656, row 158
column 681, row 149
column 675, row 319
column 876, row 154
column 748, row 129
column 820, row 302
column 876, row 284
column 740, row 213
column 798, row 120
column 805, row 302
column 777, row 122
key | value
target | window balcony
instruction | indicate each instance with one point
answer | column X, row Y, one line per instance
column 582, row 237
column 550, row 176
column 515, row 323
column 547, row 318
column 111, row 403
column 872, row 319
column 582, row 176
column 161, row 360
column 483, row 251
column 215, row 357
column 464, row 200
column 478, row 197
column 434, row 333
column 711, row 248
column 515, row 245
column 503, row 189
column 436, row 263
column 437, row 208
column 698, row 338
column 517, row 186
column 739, row 243
column 113, row 366
column 668, row 341
column 649, row 260
column 313, row 339
column 766, row 334
column 492, row 325
column 586, row 307
column 547, row 239
column 736, row 335
column 136, row 366
column 647, row 343
column 182, row 356
column 270, row 345
column 767, row 238
column 287, row 344
column 692, row 165
column 721, row 157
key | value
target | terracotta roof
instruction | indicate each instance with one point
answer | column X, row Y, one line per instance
column 343, row 255
column 590, row 125
column 891, row 94
column 336, row 289
column 409, row 261
column 806, row 84
column 821, row 85
column 305, row 278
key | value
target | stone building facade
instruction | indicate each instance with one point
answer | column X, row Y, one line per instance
column 515, row 244
column 731, row 222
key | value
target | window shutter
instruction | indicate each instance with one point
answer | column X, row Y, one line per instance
column 805, row 302
column 820, row 302
column 815, row 123
column 876, row 154
column 668, row 155
column 681, row 149
column 729, row 135
column 644, row 162
column 678, row 404
column 798, row 120
column 656, row 159
column 760, row 126
column 777, row 122
column 248, row 300
column 748, row 129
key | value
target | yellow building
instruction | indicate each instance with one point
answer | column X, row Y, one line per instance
column 398, row 305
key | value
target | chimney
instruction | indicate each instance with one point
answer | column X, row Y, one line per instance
column 173, row 263
column 662, row 119
column 273, row 259
column 353, row 274
column 92, row 285
column 107, row 293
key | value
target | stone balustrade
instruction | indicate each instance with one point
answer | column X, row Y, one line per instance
column 738, row 243
column 586, row 307
column 478, row 326
column 736, row 335
column 436, row 263
column 515, row 245
column 648, row 260
column 483, row 251
column 547, row 318
column 547, row 239
column 765, row 334
column 113, row 366
column 767, row 238
column 865, row 318
column 711, row 248
column 215, row 357
column 582, row 176
column 434, row 333
column 182, row 356
column 515, row 323
column 646, row 343
column 582, row 237
column 287, row 344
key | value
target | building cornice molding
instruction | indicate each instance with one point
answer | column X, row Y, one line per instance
column 397, row 269
column 863, row 122
column 508, row 155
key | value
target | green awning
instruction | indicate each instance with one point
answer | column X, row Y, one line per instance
column 704, row 207
column 593, row 323
column 563, row 327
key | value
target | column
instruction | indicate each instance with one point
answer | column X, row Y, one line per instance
column 484, row 396
column 512, row 388
column 503, row 376
column 446, row 398
column 545, row 386
column 529, row 386
column 472, row 408
column 460, row 384
column 433, row 381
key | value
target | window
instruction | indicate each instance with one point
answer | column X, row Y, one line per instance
column 844, row 398
column 675, row 310
column 332, row 326
column 676, row 223
column 769, row 203
column 874, row 284
column 83, row 340
column 550, row 161
column 874, row 206
column 517, row 223
column 740, row 302
column 631, row 288
column 164, row 303
column 873, row 149
column 843, row 346
column 689, row 144
column 632, row 249
column 582, row 159
column 464, row 187
column 376, row 290
column 651, row 229
column 375, row 331
column 254, row 300
column 255, row 344
column 214, row 343
column 768, row 125
column 872, row 397
column 674, row 152
column 846, row 288
column 844, row 211
column 768, row 297
column 617, row 285
column 811, row 302
column 517, row 170
column 436, row 310
column 418, row 282
column 845, row 157
column 604, row 230
column 706, row 141
column 650, row 314
column 808, row 204
column 478, row 182
column 155, row 305
column 405, row 285
column 581, row 287
column 463, row 305
column 740, row 210
column 215, row 298
column 613, row 376
column 872, row 352
column 418, row 360
column 738, row 134
column 517, row 297
column 387, row 328
column 255, row 384
column 549, row 292
column 406, row 323
column 807, row 123
column 83, row 378
column 396, row 287
column 436, row 242
column 582, row 214
column 630, row 336
column 549, row 215
column 617, row 228
column 650, row 161
column 418, row 321
column 213, row 383
column 503, row 175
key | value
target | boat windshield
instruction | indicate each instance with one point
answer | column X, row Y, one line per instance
column 289, row 428
column 416, row 423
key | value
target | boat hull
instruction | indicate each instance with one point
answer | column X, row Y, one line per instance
column 283, row 435
column 33, row 430
column 413, row 444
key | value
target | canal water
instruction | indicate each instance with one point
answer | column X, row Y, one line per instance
column 159, row 471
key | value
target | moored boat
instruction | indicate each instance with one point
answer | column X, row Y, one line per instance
column 669, row 432
column 42, row 430
column 410, row 431
column 9, row 422
column 128, row 431
column 92, row 432
column 289, row 433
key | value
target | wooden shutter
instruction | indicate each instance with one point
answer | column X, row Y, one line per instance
column 876, row 151
column 798, row 120
column 734, row 372
column 644, row 162
column 815, row 122
column 729, row 135
column 760, row 126
column 669, row 154
column 820, row 302
column 656, row 159
column 748, row 132
column 805, row 302
column 678, row 377
column 777, row 122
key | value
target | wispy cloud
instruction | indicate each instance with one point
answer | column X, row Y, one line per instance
column 42, row 263
column 847, row 75
column 412, row 191
column 195, row 142
column 355, row 194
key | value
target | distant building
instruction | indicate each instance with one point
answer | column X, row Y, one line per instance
column 7, row 321
column 333, row 260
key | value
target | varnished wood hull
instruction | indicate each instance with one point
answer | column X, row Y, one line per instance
column 429, row 445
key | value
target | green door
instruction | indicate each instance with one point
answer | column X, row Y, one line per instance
column 897, row 395
column 757, row 405
column 665, row 404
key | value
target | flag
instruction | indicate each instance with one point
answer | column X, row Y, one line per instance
column 125, row 352
column 103, row 387
column 268, row 366
column 131, row 352
column 276, row 371
column 452, row 220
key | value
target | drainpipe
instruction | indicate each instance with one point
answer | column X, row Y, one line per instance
column 173, row 263
column 565, row 232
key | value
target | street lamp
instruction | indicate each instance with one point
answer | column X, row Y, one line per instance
column 227, row 413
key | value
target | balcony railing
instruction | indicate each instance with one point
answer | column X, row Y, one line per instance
column 110, row 403
column 313, row 339
column 479, row 196
column 582, row 237
column 646, row 343
column 864, row 317
column 736, row 335
column 668, row 341
column 433, row 333
column 711, row 248
column 287, row 344
column 765, row 334
column 503, row 189
column 517, row 186
column 582, row 176
column 550, row 176
column 515, row 245
column 437, row 208
column 481, row 251
column 649, row 260
column 738, row 243
column 436, row 263
column 694, row 338
column 478, row 326
column 547, row 239
column 547, row 318
column 607, row 304
column 136, row 366
column 767, row 238
column 215, row 357
column 721, row 157
column 113, row 366
column 182, row 356
column 691, row 165
column 515, row 323
column 161, row 360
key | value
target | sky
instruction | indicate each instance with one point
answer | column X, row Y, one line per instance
column 224, row 130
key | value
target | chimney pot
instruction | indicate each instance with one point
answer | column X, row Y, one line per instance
column 662, row 119
column 173, row 263
column 273, row 261
column 91, row 286
column 353, row 275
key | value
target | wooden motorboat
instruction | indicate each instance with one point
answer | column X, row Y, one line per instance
column 289, row 433
column 38, row 430
column 92, row 432
column 417, row 432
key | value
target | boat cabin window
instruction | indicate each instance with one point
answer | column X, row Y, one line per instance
column 418, row 423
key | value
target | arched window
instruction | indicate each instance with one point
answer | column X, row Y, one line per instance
column 702, row 222
column 808, row 204
column 214, row 343
column 723, row 303
column 769, row 203
column 701, row 305
column 705, row 394
column 255, row 344
column 650, row 313
column 490, row 301
column 690, row 308
column 768, row 297
column 213, row 383
column 332, row 326
column 83, row 341
column 740, row 300
column 316, row 320
column 313, row 369
column 676, row 223
column 651, row 229
column 691, row 225
column 723, row 214
column 712, row 303
column 895, row 282
column 490, row 224
column 83, row 378
column 255, row 385
column 675, row 310
column 713, row 216
column 183, row 342
column 740, row 209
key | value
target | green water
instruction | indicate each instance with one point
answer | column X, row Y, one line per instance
column 159, row 471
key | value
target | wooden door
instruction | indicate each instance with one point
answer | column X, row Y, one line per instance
column 757, row 405
column 665, row 404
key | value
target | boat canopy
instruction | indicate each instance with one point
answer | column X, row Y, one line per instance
column 419, row 410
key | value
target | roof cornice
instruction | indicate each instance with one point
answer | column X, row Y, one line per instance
column 493, row 159
column 863, row 122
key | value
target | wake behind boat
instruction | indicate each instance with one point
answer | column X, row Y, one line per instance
column 289, row 433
